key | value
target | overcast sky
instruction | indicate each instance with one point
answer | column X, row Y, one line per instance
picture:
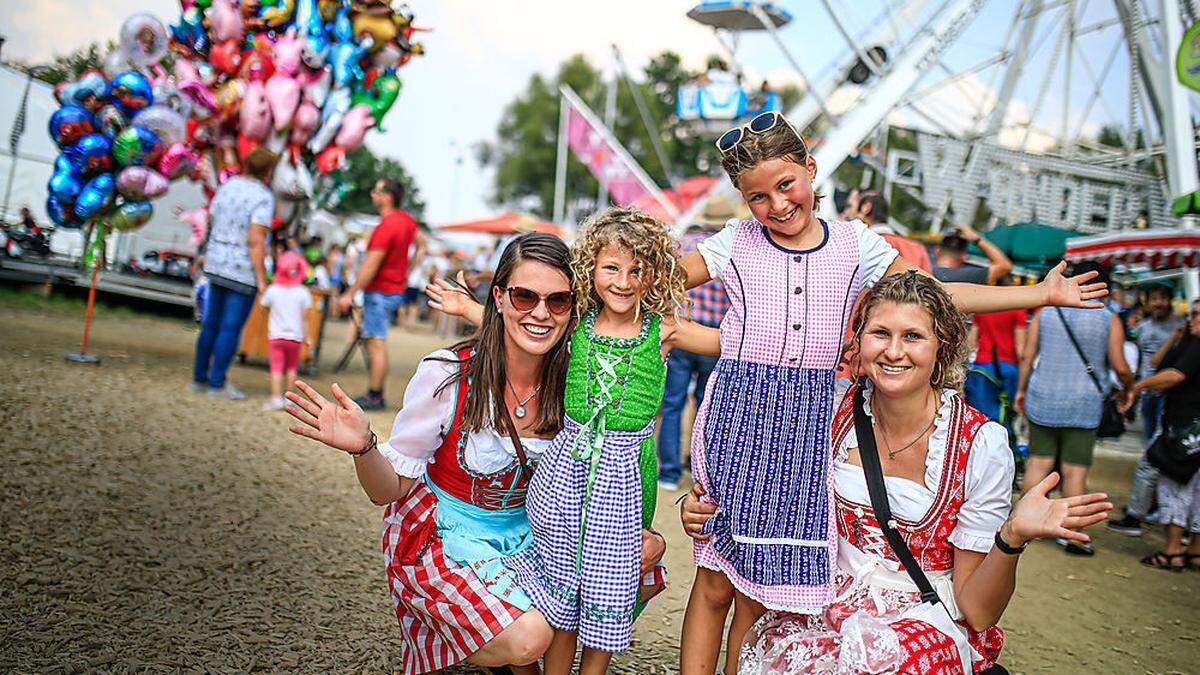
column 481, row 54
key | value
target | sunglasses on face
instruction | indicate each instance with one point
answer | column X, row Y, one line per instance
column 525, row 300
column 761, row 123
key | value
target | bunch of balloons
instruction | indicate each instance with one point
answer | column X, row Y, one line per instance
column 305, row 78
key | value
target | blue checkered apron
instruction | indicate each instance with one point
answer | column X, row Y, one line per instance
column 587, row 583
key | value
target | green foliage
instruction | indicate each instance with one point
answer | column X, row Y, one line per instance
column 363, row 168
column 524, row 153
column 63, row 67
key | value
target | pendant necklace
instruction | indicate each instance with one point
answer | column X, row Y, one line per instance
column 519, row 411
column 892, row 453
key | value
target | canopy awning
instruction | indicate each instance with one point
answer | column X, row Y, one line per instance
column 737, row 14
column 1158, row 248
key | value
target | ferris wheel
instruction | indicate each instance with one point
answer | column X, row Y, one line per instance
column 1081, row 89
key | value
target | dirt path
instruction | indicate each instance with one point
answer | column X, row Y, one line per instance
column 144, row 527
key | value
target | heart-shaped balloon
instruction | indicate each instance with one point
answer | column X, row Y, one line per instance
column 62, row 214
column 130, row 215
column 226, row 56
column 64, row 186
column 178, row 160
column 111, row 120
column 90, row 155
column 95, row 196
column 132, row 91
column 137, row 146
column 68, row 124
column 330, row 158
column 139, row 182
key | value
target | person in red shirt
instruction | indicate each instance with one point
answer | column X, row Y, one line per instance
column 383, row 278
column 1000, row 337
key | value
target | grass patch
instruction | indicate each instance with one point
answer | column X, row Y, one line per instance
column 74, row 301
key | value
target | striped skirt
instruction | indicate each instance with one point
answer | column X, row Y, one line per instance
column 446, row 613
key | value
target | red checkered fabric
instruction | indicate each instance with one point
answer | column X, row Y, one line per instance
column 445, row 612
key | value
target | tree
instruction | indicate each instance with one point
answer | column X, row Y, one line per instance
column 523, row 156
column 63, row 67
column 356, row 179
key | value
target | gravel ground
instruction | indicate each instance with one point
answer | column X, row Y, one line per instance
column 146, row 528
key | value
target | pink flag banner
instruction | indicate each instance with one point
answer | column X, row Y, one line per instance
column 625, row 181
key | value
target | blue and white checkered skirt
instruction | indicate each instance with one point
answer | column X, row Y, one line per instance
column 767, row 457
column 597, row 596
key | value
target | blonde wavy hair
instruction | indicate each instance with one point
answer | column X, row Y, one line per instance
column 949, row 324
column 662, row 274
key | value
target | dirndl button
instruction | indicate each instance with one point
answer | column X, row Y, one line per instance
column 796, row 326
column 798, row 258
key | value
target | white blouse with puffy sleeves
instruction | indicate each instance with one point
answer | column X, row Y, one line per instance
column 427, row 416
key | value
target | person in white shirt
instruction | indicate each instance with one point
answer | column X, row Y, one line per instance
column 288, row 300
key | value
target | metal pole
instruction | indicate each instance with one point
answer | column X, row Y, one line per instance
column 809, row 89
column 610, row 116
column 650, row 124
column 560, row 164
column 1069, row 29
column 1177, row 126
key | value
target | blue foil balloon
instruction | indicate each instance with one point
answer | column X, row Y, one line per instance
column 61, row 214
column 96, row 196
column 131, row 90
column 130, row 215
column 62, row 164
column 64, row 186
column 68, row 124
column 91, row 155
column 190, row 33
column 137, row 146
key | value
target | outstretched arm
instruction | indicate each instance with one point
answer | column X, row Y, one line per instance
column 984, row 583
column 1054, row 290
column 452, row 297
column 690, row 336
column 696, row 268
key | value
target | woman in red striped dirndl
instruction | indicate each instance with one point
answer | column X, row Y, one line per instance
column 453, row 474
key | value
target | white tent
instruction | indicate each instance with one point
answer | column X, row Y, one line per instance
column 23, row 177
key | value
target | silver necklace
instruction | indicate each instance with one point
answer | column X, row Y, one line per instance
column 519, row 411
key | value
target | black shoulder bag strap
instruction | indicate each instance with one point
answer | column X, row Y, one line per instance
column 1075, row 343
column 873, row 471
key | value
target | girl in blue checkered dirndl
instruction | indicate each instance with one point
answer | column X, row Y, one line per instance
column 594, row 488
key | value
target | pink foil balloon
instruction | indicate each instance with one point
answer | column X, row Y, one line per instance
column 354, row 127
column 287, row 53
column 178, row 160
column 139, row 182
column 283, row 95
column 255, row 114
column 304, row 123
column 225, row 21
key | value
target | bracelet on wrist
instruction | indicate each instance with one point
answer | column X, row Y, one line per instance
column 370, row 445
column 1006, row 548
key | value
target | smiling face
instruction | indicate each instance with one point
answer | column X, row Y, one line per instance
column 899, row 348
column 779, row 193
column 618, row 280
column 535, row 331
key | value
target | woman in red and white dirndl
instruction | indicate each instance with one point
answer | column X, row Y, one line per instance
column 877, row 623
column 444, row 541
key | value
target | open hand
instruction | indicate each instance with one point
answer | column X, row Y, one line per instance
column 447, row 297
column 342, row 425
column 694, row 513
column 1072, row 291
column 1036, row 515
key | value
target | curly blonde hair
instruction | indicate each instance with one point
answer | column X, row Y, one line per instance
column 949, row 324
column 662, row 274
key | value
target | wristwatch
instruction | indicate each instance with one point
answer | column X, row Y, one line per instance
column 1006, row 549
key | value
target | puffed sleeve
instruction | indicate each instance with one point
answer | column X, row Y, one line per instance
column 425, row 417
column 718, row 249
column 990, row 472
column 875, row 254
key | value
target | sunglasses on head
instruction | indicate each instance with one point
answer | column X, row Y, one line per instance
column 526, row 300
column 762, row 123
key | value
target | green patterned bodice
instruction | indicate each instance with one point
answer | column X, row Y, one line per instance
column 628, row 373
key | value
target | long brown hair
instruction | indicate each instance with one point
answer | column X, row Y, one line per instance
column 781, row 141
column 949, row 324
column 484, row 370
